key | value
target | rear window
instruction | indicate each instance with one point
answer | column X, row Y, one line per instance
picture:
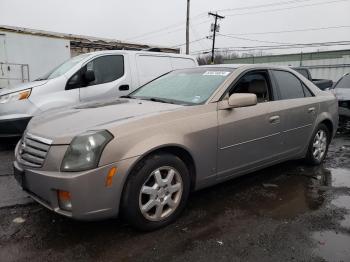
column 290, row 86
column 344, row 82
column 303, row 72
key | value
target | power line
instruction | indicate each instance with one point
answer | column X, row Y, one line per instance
column 199, row 16
column 252, row 40
column 197, row 37
column 286, row 8
column 193, row 41
column 265, row 5
column 272, row 47
column 235, row 36
column 203, row 14
column 292, row 31
column 264, row 33
column 170, row 32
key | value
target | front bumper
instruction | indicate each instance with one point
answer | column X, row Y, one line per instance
column 13, row 127
column 14, row 117
column 90, row 197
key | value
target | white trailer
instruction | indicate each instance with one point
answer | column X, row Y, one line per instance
column 25, row 57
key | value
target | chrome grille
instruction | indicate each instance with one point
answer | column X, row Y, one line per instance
column 33, row 150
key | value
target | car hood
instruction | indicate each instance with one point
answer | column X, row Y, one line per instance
column 21, row 87
column 61, row 125
column 342, row 93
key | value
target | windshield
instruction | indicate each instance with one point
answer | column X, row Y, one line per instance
column 63, row 68
column 188, row 86
column 344, row 82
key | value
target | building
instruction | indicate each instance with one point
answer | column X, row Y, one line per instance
column 27, row 54
column 326, row 64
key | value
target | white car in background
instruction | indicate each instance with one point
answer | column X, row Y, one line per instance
column 87, row 77
column 342, row 92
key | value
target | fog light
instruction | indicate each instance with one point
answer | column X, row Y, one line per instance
column 64, row 200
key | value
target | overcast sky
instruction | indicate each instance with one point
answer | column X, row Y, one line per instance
column 131, row 20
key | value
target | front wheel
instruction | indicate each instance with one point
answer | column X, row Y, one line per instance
column 318, row 146
column 156, row 192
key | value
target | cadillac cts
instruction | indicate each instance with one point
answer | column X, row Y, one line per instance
column 141, row 155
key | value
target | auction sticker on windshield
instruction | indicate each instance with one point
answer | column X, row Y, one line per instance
column 216, row 73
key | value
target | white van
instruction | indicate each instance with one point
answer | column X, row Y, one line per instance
column 87, row 77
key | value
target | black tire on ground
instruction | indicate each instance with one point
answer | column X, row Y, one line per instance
column 130, row 208
column 310, row 158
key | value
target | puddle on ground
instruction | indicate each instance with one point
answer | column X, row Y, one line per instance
column 342, row 202
column 332, row 246
column 287, row 196
column 345, row 222
column 340, row 177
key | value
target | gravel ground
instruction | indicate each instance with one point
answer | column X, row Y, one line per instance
column 289, row 212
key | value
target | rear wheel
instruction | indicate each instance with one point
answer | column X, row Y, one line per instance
column 318, row 146
column 156, row 192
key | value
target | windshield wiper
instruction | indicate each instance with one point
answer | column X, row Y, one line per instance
column 154, row 99
column 127, row 96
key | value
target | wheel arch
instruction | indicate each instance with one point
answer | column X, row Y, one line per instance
column 175, row 149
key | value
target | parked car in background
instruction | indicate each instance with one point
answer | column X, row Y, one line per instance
column 322, row 84
column 342, row 91
column 88, row 77
column 141, row 155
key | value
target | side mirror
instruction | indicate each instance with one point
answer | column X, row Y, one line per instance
column 89, row 76
column 239, row 100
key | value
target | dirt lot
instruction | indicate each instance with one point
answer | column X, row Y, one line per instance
column 289, row 212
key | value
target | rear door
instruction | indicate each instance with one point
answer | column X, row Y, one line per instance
column 299, row 107
column 111, row 78
column 249, row 137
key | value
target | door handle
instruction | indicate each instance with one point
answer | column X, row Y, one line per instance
column 124, row 88
column 311, row 110
column 274, row 119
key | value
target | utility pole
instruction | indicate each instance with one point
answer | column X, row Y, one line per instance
column 188, row 28
column 214, row 33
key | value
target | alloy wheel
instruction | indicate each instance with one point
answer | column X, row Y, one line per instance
column 319, row 146
column 161, row 193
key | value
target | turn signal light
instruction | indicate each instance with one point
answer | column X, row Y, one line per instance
column 24, row 95
column 111, row 174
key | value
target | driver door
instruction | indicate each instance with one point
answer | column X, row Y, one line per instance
column 249, row 137
column 110, row 80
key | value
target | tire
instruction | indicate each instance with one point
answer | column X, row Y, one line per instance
column 158, row 176
column 312, row 157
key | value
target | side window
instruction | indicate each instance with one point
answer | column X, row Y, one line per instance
column 74, row 82
column 307, row 92
column 303, row 72
column 256, row 83
column 289, row 85
column 106, row 69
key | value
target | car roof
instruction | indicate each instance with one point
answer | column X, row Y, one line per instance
column 247, row 66
column 139, row 52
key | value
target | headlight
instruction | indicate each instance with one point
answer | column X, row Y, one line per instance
column 85, row 151
column 21, row 95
